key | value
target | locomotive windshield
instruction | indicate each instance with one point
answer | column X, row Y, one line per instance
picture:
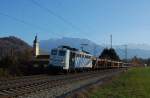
column 62, row 53
column 54, row 52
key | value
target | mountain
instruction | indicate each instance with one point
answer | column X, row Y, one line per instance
column 140, row 50
column 134, row 52
column 92, row 47
column 139, row 46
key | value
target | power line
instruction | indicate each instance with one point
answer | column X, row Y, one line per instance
column 26, row 23
column 124, row 51
column 22, row 21
column 55, row 14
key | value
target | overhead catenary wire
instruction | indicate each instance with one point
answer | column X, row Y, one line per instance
column 123, row 51
column 39, row 27
column 22, row 21
column 27, row 23
column 55, row 14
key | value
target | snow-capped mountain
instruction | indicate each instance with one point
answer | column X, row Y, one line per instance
column 140, row 50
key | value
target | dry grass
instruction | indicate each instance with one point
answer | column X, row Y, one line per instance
column 86, row 92
column 135, row 83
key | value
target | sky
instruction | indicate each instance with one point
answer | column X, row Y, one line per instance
column 127, row 20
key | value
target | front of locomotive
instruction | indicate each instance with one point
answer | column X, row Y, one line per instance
column 59, row 60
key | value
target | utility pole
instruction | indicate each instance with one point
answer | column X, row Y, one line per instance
column 126, row 53
column 111, row 41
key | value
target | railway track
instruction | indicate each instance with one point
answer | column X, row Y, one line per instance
column 50, row 86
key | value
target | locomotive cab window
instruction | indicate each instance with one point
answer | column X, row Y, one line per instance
column 54, row 52
column 62, row 53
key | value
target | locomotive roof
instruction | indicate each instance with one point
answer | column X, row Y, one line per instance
column 70, row 48
column 73, row 49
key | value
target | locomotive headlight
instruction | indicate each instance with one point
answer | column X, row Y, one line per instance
column 63, row 61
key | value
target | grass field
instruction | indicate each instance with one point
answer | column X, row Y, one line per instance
column 135, row 83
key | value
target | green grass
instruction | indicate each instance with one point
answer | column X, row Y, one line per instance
column 135, row 83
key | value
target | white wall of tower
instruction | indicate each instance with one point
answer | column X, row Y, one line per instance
column 36, row 47
column 37, row 50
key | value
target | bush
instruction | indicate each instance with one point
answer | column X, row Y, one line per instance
column 4, row 73
column 16, row 64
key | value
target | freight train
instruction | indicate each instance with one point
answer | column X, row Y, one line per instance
column 67, row 59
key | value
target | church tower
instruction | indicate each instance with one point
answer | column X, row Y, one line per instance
column 36, row 47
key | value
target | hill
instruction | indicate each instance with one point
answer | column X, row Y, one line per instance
column 12, row 44
column 15, row 56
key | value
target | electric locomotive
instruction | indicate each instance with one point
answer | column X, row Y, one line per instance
column 66, row 59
